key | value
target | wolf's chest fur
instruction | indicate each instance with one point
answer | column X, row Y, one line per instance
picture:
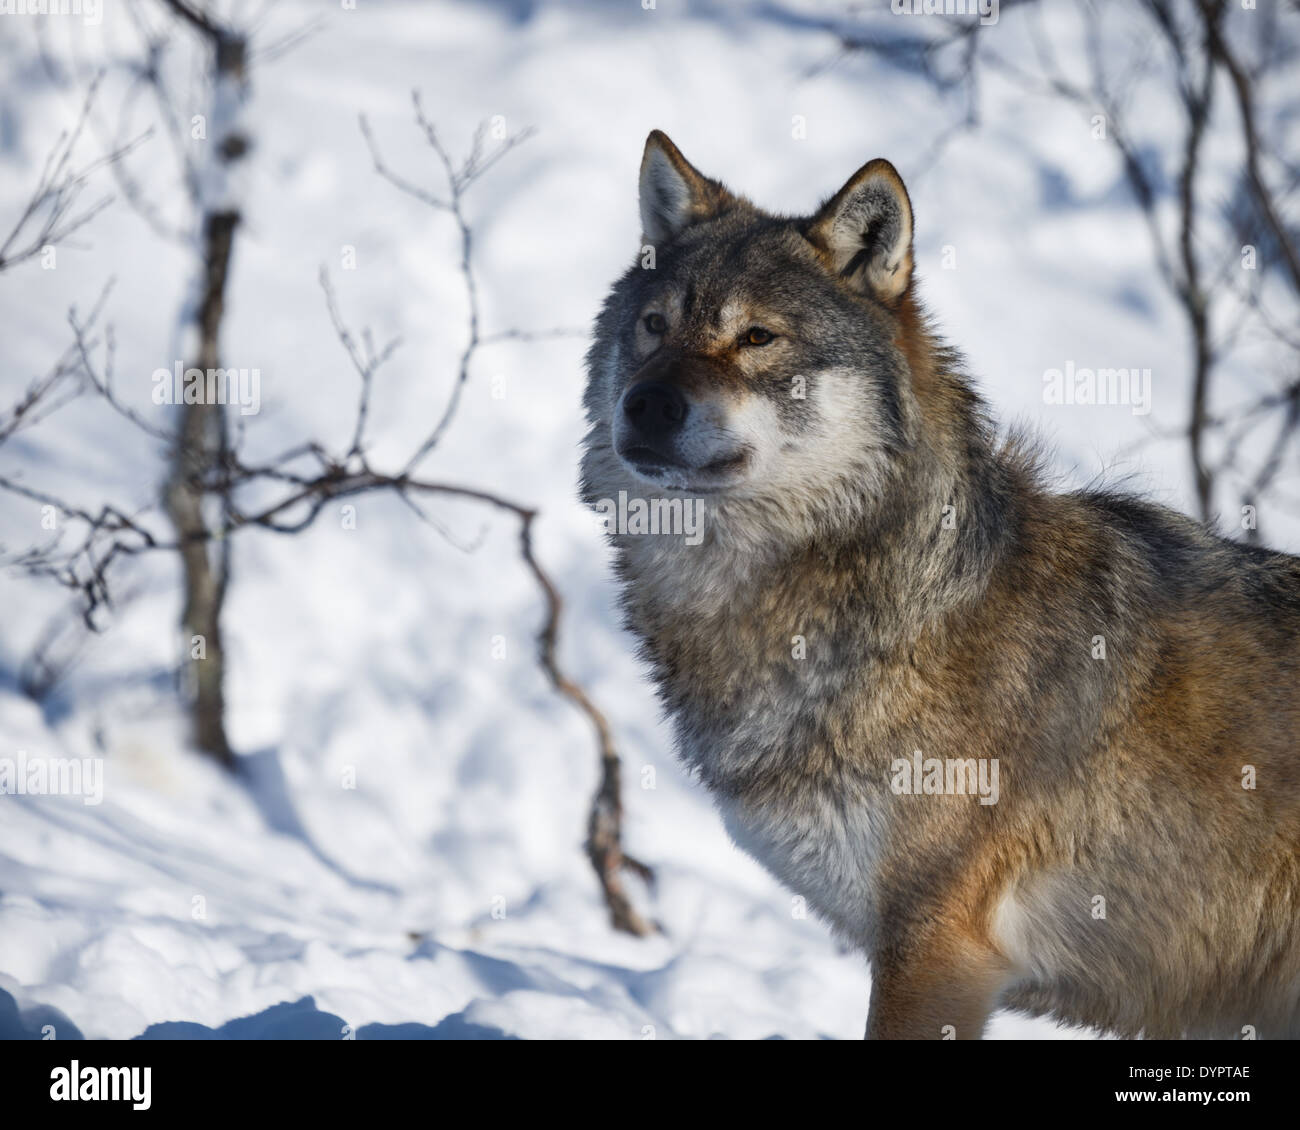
column 822, row 842
column 772, row 703
column 820, row 832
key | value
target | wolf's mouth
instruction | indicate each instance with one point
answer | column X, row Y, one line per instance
column 727, row 463
column 666, row 472
column 647, row 457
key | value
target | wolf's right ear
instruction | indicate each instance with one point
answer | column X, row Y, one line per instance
column 674, row 194
column 865, row 231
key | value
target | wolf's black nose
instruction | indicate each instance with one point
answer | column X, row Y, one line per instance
column 655, row 409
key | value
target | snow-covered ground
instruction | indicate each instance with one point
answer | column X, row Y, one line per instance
column 448, row 891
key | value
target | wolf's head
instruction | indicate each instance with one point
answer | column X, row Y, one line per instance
column 750, row 357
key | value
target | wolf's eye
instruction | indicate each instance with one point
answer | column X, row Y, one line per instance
column 757, row 335
column 655, row 323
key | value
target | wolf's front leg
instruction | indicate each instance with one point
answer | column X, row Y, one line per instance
column 943, row 989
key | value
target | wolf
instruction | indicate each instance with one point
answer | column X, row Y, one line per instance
column 886, row 579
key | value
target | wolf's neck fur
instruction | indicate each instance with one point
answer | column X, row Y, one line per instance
column 906, row 538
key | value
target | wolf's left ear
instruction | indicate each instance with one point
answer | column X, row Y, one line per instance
column 865, row 231
column 674, row 194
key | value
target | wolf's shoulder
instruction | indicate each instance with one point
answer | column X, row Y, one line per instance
column 1188, row 557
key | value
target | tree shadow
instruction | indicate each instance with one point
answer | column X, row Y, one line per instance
column 39, row 1022
column 302, row 1020
column 268, row 788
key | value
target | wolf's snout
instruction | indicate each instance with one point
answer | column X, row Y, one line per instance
column 655, row 411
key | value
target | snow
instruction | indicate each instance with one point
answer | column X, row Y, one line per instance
column 446, row 894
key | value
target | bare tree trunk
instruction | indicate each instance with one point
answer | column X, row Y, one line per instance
column 202, row 436
column 199, row 446
column 1201, row 370
column 1198, row 103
